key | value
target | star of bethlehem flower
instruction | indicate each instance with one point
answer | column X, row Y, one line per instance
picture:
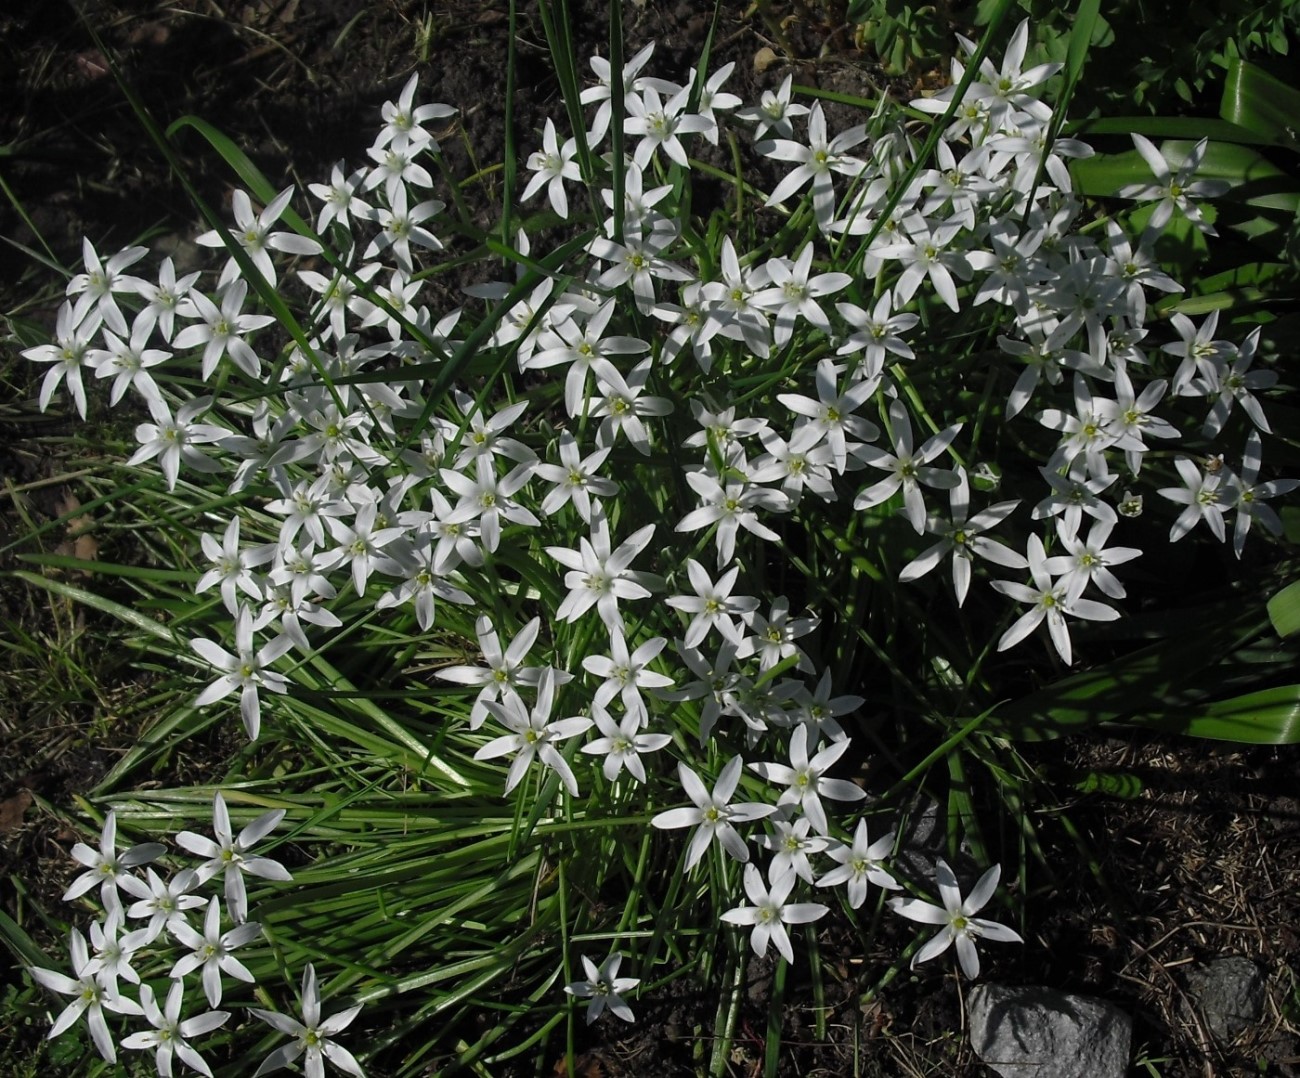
column 227, row 854
column 961, row 536
column 404, row 121
column 114, row 951
column 232, row 566
column 221, row 330
column 772, row 636
column 908, row 468
column 106, row 866
column 533, row 735
column 313, row 1037
column 1073, row 494
column 1247, row 496
column 69, row 353
column 603, row 96
column 713, row 605
column 244, row 670
column 98, row 287
column 575, row 478
column 212, row 951
column 174, row 439
column 600, row 576
column 806, row 781
column 659, row 123
column 861, row 863
column 505, row 671
column 1236, row 385
column 605, row 988
column 582, row 345
column 1052, row 603
column 794, row 294
column 620, row 406
column 253, row 233
column 1174, row 189
column 90, row 997
column 712, row 97
column 923, row 252
column 831, row 415
column 637, row 262
column 789, row 843
column 1005, row 91
column 876, row 335
column 1202, row 498
column 552, row 165
column 774, row 111
column 623, row 743
column 128, row 363
column 491, row 497
column 170, row 1036
column 164, row 902
column 1088, row 561
column 626, row 673
column 730, row 507
column 772, row 911
column 712, row 814
column 957, row 916
column 815, row 163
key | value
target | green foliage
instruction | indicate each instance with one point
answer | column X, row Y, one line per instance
column 902, row 35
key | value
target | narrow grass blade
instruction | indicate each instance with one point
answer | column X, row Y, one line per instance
column 97, row 602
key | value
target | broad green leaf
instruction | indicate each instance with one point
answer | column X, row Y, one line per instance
column 1284, row 610
column 1161, row 127
column 1119, row 689
column 1290, row 515
column 1268, row 717
column 1255, row 180
column 1253, row 99
column 1111, row 783
column 1252, row 275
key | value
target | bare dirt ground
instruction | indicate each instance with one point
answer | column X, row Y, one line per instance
column 1203, row 862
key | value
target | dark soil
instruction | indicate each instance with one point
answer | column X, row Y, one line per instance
column 1202, row 862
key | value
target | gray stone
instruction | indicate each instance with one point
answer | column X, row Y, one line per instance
column 1230, row 994
column 1033, row 1032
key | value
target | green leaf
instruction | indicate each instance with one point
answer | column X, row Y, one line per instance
column 257, row 183
column 1076, row 52
column 1284, row 610
column 97, row 602
column 1255, row 180
column 1179, row 127
column 1267, row 717
column 1290, row 515
column 104, row 568
column 22, row 945
column 1120, row 784
column 1116, row 690
column 1255, row 100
